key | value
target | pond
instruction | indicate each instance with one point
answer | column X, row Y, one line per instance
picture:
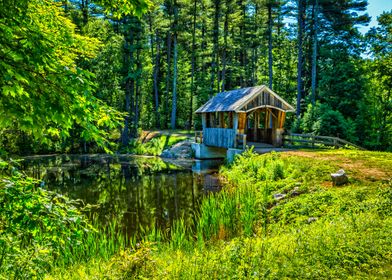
column 136, row 192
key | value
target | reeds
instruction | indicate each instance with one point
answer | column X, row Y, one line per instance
column 229, row 213
column 242, row 232
column 99, row 241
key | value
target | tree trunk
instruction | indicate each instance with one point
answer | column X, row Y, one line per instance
column 225, row 34
column 254, row 47
column 314, row 54
column 279, row 83
column 174, row 98
column 270, row 73
column 301, row 27
column 125, row 132
column 129, row 89
column 215, row 54
column 65, row 6
column 203, row 47
column 243, row 46
column 168, row 60
column 156, row 70
column 156, row 75
column 193, row 64
column 84, row 8
column 136, row 112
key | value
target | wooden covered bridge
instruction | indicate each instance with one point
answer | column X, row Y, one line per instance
column 232, row 118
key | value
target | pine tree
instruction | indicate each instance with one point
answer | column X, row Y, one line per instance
column 301, row 28
column 175, row 62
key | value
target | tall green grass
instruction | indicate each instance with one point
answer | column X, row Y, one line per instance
column 243, row 232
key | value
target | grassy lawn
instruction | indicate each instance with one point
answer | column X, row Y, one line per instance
column 314, row 231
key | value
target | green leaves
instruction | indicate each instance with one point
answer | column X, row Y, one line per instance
column 43, row 92
column 36, row 226
column 119, row 8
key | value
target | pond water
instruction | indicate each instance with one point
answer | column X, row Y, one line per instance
column 134, row 191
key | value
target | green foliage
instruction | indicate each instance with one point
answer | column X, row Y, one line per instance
column 43, row 91
column 40, row 229
column 179, row 235
column 155, row 146
column 29, row 216
column 322, row 120
column 120, row 8
column 238, row 209
column 384, row 206
column 108, row 64
column 245, row 233
column 377, row 121
column 121, row 53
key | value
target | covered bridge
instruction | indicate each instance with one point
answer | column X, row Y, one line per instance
column 253, row 114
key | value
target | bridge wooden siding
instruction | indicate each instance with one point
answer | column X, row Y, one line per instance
column 219, row 137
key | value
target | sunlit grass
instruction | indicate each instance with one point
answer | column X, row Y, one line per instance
column 245, row 232
column 155, row 146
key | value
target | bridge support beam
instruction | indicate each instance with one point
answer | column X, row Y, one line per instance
column 231, row 153
column 203, row 151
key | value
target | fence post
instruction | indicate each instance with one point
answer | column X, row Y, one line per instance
column 243, row 141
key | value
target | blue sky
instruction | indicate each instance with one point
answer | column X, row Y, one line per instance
column 375, row 8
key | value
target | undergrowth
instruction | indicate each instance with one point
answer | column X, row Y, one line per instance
column 155, row 146
column 277, row 216
column 40, row 229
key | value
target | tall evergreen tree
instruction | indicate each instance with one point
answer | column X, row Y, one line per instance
column 301, row 27
column 175, row 63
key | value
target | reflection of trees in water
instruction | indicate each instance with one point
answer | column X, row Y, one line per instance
column 145, row 191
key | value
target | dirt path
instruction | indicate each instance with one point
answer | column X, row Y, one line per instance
column 361, row 167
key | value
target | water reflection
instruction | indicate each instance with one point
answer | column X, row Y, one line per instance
column 133, row 191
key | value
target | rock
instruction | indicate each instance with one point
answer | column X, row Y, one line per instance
column 279, row 196
column 182, row 149
column 339, row 178
column 311, row 220
column 167, row 154
column 295, row 191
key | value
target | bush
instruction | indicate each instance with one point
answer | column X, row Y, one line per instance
column 155, row 146
column 37, row 227
column 243, row 232
column 323, row 120
column 40, row 229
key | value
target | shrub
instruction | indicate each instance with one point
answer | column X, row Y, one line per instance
column 323, row 120
column 40, row 229
column 37, row 226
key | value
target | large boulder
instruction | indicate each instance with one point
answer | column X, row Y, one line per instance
column 339, row 178
column 182, row 149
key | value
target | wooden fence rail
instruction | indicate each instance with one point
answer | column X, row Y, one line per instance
column 315, row 140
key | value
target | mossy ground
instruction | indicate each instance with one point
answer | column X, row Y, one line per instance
column 317, row 231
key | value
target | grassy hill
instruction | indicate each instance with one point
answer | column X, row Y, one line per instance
column 314, row 230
